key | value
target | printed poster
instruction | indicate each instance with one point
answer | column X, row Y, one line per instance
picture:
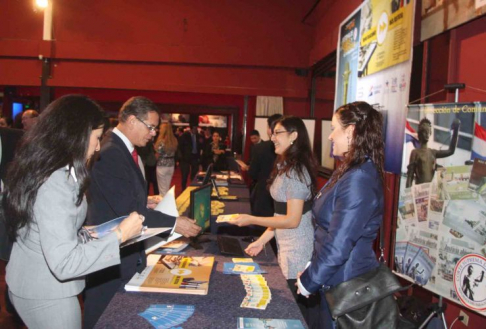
column 441, row 234
column 379, row 71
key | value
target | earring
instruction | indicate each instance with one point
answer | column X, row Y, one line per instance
column 291, row 142
column 348, row 143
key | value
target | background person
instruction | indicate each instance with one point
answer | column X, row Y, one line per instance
column 29, row 119
column 190, row 151
column 45, row 205
column 349, row 208
column 165, row 152
column 292, row 185
column 260, row 169
column 214, row 153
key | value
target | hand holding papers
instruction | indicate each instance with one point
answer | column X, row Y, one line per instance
column 167, row 206
column 89, row 233
column 226, row 218
column 153, row 201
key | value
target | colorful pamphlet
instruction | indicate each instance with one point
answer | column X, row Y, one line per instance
column 258, row 294
column 87, row 233
column 174, row 274
column 242, row 268
column 163, row 316
column 254, row 323
column 226, row 218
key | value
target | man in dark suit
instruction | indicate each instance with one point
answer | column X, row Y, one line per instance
column 117, row 188
column 260, row 169
column 9, row 139
column 190, row 145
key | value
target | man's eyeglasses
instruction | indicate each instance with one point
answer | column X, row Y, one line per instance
column 149, row 127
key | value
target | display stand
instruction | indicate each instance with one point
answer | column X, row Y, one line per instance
column 439, row 308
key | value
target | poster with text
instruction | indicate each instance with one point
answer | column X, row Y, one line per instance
column 380, row 74
column 441, row 229
column 348, row 50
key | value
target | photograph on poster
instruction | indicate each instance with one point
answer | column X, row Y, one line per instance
column 442, row 200
column 219, row 121
column 165, row 117
column 179, row 119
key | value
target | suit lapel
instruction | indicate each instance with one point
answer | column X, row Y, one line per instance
column 117, row 141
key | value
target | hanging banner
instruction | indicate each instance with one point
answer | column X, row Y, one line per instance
column 373, row 65
column 439, row 16
column 441, row 228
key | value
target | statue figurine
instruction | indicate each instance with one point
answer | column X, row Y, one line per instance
column 422, row 164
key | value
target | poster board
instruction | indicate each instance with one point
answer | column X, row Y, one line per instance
column 374, row 54
column 441, row 227
column 261, row 126
column 327, row 161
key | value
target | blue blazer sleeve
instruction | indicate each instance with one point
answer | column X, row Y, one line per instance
column 355, row 201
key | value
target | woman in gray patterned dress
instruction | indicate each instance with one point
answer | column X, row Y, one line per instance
column 165, row 150
column 292, row 186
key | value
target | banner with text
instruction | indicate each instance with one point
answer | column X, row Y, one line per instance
column 441, row 228
column 373, row 65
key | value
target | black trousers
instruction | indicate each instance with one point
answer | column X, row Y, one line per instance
column 309, row 307
column 192, row 166
column 151, row 178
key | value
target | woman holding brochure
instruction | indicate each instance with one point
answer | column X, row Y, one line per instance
column 45, row 205
column 292, row 186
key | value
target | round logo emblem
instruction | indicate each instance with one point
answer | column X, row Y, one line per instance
column 382, row 28
column 181, row 271
column 470, row 281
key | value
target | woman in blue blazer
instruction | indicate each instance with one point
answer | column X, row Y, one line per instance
column 45, row 206
column 349, row 208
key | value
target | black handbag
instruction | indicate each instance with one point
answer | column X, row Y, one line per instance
column 366, row 301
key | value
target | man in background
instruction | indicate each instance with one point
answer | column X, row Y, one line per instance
column 190, row 145
column 260, row 169
column 118, row 188
column 29, row 119
column 255, row 139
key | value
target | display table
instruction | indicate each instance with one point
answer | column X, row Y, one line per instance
column 220, row 308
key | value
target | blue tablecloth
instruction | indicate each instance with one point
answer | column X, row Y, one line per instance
column 219, row 309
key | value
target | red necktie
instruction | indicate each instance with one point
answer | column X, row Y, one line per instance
column 135, row 156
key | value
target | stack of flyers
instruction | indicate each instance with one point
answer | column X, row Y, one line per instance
column 244, row 323
column 242, row 268
column 242, row 260
column 163, row 316
column 258, row 294
column 413, row 261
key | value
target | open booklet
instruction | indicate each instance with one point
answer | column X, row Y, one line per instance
column 88, row 233
column 167, row 206
column 152, row 241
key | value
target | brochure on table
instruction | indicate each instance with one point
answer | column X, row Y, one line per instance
column 174, row 274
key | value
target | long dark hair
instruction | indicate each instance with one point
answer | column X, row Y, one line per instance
column 298, row 156
column 60, row 138
column 367, row 139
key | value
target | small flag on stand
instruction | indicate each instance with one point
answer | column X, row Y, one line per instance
column 479, row 143
column 411, row 135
